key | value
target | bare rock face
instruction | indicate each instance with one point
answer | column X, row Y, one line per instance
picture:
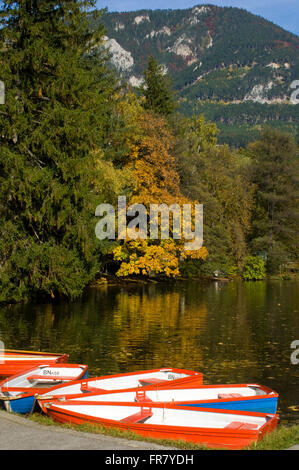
column 120, row 58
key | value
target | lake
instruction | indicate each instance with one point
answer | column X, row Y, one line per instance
column 233, row 332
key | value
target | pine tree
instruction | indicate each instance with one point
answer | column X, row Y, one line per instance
column 159, row 96
column 274, row 172
column 58, row 101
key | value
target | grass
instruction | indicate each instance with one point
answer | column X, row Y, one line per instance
column 282, row 438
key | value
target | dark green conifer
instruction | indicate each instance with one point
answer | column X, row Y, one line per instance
column 275, row 174
column 57, row 104
column 159, row 96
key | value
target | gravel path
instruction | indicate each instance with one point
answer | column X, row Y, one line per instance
column 19, row 433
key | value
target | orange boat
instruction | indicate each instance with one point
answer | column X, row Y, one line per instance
column 17, row 392
column 14, row 362
column 160, row 378
column 224, row 429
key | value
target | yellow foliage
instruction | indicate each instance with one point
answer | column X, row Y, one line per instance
column 152, row 170
column 148, row 259
column 201, row 253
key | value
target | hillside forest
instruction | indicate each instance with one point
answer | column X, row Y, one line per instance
column 72, row 136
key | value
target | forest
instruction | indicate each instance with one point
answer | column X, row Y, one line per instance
column 234, row 67
column 72, row 136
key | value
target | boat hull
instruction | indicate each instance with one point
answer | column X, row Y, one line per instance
column 238, row 397
column 13, row 362
column 234, row 439
column 260, row 405
column 22, row 405
column 22, row 399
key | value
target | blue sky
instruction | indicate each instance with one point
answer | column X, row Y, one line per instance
column 285, row 13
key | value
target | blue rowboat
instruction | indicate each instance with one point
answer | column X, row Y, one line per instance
column 235, row 397
column 17, row 393
column 258, row 405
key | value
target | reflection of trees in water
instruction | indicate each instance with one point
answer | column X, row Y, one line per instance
column 232, row 332
column 113, row 329
column 158, row 328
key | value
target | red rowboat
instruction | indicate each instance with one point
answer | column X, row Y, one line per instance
column 17, row 392
column 14, row 362
column 170, row 377
column 236, row 397
column 214, row 429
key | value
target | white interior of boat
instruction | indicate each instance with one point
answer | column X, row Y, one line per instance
column 121, row 382
column 169, row 417
column 44, row 376
column 182, row 395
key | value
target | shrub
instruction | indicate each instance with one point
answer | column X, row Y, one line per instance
column 254, row 269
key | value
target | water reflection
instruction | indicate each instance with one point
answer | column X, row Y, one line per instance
column 232, row 332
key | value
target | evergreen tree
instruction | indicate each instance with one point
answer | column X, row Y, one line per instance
column 159, row 96
column 58, row 101
column 275, row 173
column 210, row 174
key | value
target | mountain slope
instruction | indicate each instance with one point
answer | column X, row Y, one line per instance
column 213, row 55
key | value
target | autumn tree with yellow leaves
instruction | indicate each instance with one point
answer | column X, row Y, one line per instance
column 156, row 181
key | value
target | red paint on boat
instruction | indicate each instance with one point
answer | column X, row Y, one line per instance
column 13, row 362
column 193, row 380
column 230, row 437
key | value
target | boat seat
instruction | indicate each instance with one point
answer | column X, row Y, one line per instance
column 60, row 378
column 88, row 388
column 240, row 425
column 139, row 417
column 152, row 381
column 223, row 396
column 141, row 396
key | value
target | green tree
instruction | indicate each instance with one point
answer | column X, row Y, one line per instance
column 159, row 96
column 58, row 102
column 212, row 175
column 194, row 135
column 275, row 174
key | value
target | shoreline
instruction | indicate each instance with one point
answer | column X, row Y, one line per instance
column 110, row 280
column 115, row 281
column 38, row 432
